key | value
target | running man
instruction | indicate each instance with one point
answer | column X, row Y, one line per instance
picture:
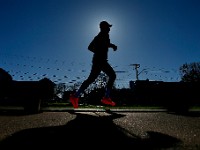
column 99, row 46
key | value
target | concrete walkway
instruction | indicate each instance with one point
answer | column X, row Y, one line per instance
column 100, row 129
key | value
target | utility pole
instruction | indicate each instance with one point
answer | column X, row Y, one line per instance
column 136, row 66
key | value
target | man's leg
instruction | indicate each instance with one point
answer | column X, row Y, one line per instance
column 95, row 71
column 112, row 76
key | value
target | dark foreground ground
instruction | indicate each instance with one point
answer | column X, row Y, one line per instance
column 95, row 130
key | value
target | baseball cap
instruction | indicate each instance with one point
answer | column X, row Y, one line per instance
column 104, row 24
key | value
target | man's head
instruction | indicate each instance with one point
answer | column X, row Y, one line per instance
column 105, row 26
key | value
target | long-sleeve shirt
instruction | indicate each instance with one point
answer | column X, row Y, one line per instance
column 99, row 46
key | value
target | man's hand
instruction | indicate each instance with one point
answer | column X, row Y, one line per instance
column 114, row 47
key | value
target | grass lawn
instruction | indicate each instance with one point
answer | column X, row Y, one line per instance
column 85, row 106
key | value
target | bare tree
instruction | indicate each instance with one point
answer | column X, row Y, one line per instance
column 190, row 72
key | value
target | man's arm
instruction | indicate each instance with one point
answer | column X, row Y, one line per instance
column 92, row 45
column 113, row 46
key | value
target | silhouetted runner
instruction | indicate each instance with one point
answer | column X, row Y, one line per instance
column 99, row 46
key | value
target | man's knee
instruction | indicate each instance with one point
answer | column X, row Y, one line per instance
column 113, row 76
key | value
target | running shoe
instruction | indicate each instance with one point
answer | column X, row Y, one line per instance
column 107, row 101
column 74, row 100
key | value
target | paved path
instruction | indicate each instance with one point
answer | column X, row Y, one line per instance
column 82, row 129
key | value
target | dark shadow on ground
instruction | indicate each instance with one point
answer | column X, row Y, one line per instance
column 88, row 131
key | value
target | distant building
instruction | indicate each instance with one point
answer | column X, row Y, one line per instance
column 132, row 84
